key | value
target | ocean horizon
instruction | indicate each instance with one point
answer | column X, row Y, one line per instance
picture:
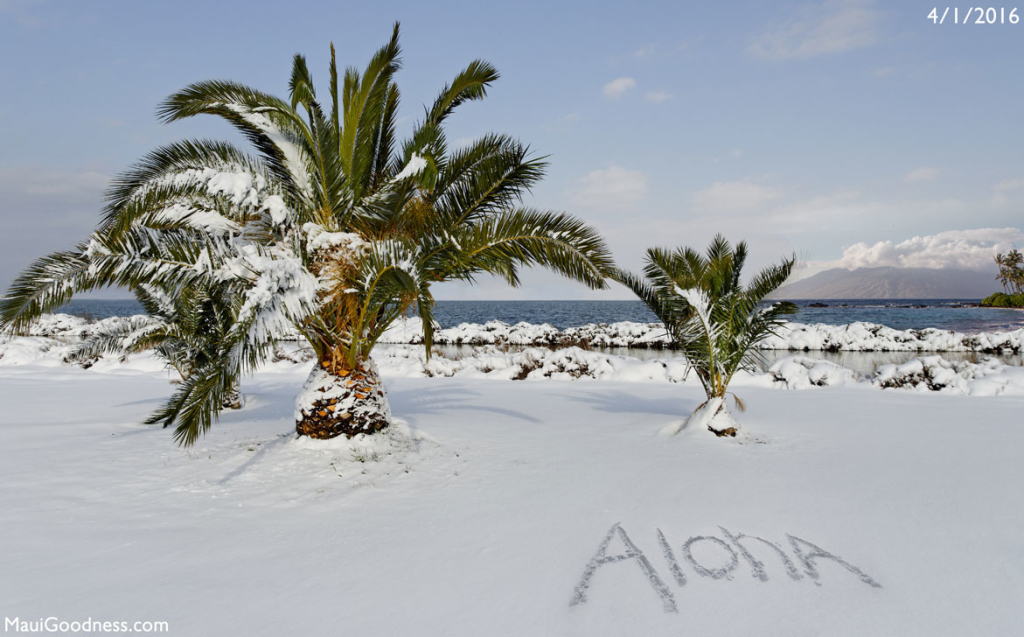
column 961, row 315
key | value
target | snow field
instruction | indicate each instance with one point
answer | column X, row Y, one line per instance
column 482, row 512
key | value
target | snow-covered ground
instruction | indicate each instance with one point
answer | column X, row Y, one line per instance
column 857, row 337
column 512, row 508
column 509, row 508
column 926, row 373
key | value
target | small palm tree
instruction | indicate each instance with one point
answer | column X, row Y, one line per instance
column 1015, row 274
column 185, row 331
column 334, row 228
column 1011, row 275
column 1004, row 272
column 711, row 316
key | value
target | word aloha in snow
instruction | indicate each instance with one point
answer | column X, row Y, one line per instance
column 807, row 554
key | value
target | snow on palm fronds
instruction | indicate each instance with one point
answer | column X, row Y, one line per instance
column 131, row 335
column 282, row 293
column 332, row 228
column 415, row 166
column 709, row 314
column 293, row 155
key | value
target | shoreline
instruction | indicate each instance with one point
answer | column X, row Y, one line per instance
column 795, row 337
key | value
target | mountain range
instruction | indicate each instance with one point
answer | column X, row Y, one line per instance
column 892, row 283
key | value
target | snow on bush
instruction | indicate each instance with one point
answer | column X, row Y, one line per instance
column 930, row 373
column 934, row 373
column 69, row 326
column 797, row 337
column 559, row 358
column 869, row 337
column 802, row 372
column 857, row 337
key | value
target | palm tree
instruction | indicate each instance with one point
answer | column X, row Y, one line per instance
column 1011, row 275
column 185, row 331
column 333, row 228
column 1004, row 273
column 1015, row 274
column 711, row 316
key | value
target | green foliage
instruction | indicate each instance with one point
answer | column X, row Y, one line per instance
column 999, row 299
column 398, row 217
column 710, row 315
column 184, row 330
column 1011, row 271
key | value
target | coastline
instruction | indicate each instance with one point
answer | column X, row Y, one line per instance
column 854, row 337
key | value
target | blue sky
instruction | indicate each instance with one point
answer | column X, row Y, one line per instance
column 849, row 132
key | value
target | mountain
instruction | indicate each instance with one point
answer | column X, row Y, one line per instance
column 892, row 283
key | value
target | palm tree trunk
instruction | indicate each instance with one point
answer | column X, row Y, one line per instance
column 340, row 400
column 713, row 415
column 233, row 399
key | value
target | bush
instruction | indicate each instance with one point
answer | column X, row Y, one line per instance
column 1003, row 300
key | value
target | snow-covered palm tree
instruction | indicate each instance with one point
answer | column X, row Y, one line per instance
column 185, row 330
column 711, row 316
column 332, row 228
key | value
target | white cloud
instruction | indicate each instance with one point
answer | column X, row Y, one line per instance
column 646, row 51
column 1003, row 192
column 658, row 96
column 959, row 249
column 833, row 26
column 884, row 72
column 734, row 197
column 612, row 187
column 618, row 86
column 924, row 173
column 569, row 117
column 805, row 215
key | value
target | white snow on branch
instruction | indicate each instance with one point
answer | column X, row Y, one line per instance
column 295, row 157
column 415, row 166
column 700, row 303
column 162, row 299
column 209, row 221
column 282, row 293
column 278, row 210
column 319, row 239
column 236, row 182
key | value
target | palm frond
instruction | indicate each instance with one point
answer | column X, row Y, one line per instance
column 44, row 286
column 556, row 241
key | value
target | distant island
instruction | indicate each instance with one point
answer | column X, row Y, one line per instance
column 891, row 283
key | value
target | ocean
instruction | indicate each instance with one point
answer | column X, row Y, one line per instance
column 947, row 314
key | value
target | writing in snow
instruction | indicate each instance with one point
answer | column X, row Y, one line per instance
column 734, row 550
